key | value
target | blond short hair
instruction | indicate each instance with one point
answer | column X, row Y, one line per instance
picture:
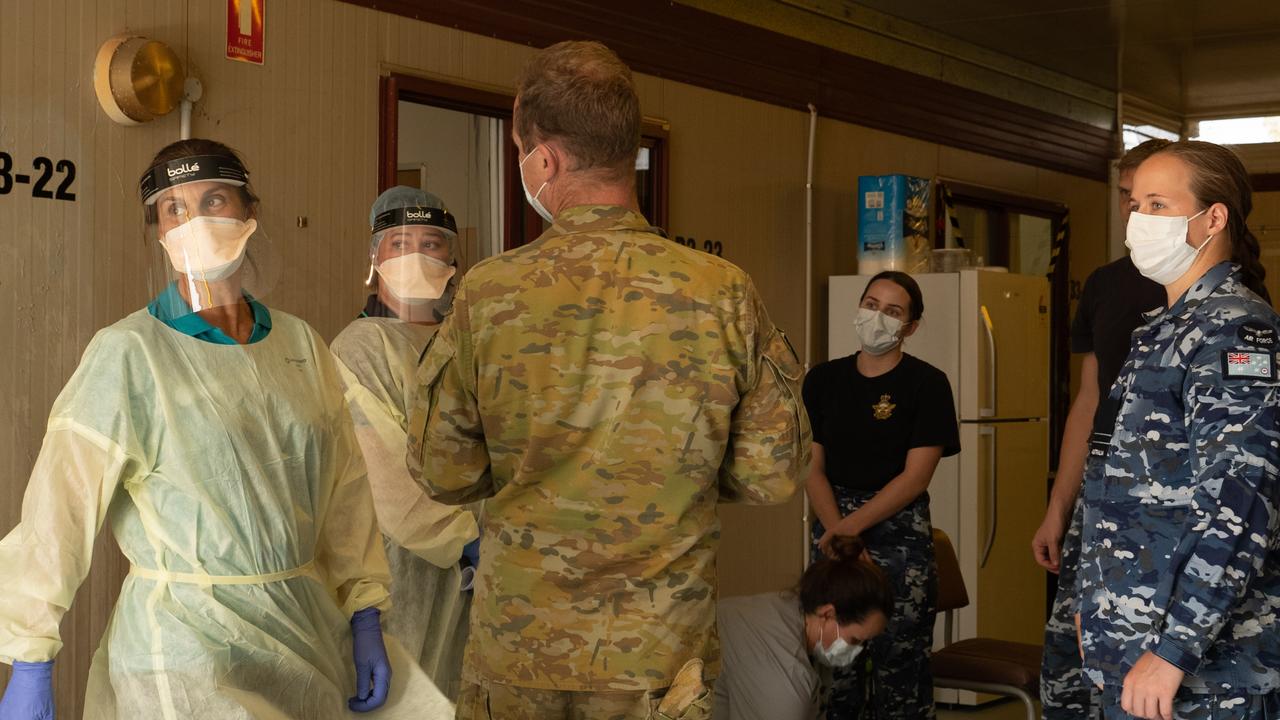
column 581, row 94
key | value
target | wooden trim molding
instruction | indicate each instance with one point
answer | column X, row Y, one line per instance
column 388, row 129
column 673, row 41
column 999, row 198
column 1265, row 182
column 521, row 222
column 453, row 97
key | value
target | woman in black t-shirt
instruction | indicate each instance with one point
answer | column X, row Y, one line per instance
column 882, row 420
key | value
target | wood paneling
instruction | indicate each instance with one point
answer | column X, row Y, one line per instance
column 307, row 122
column 1265, row 182
column 692, row 46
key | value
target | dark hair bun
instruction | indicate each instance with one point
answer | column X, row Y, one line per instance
column 847, row 579
column 848, row 548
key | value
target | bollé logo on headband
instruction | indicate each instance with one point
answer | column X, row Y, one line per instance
column 183, row 169
column 193, row 168
column 415, row 215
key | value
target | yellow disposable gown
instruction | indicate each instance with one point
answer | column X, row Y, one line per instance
column 233, row 485
column 423, row 539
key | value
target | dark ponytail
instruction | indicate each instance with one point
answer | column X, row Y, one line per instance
column 1247, row 252
column 850, row 581
column 1218, row 176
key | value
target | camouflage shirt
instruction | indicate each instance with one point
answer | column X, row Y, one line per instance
column 1180, row 548
column 604, row 387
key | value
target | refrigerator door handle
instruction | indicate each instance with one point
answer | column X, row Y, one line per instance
column 988, row 431
column 990, row 332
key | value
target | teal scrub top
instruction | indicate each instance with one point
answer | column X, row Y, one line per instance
column 170, row 308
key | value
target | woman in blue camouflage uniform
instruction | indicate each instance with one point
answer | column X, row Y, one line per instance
column 1179, row 573
column 881, row 421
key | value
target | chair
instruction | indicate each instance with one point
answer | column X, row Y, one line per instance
column 1000, row 667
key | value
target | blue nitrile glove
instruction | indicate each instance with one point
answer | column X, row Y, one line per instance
column 30, row 692
column 470, row 562
column 370, row 655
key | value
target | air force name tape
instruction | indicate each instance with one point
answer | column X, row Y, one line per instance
column 206, row 168
column 433, row 217
column 1257, row 334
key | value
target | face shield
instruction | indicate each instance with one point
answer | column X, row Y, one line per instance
column 412, row 261
column 202, row 224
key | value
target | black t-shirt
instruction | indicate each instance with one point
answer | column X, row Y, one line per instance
column 1111, row 306
column 866, row 425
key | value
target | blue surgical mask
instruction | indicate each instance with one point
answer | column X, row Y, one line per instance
column 533, row 199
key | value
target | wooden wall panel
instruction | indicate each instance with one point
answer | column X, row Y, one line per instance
column 742, row 184
column 307, row 123
column 689, row 45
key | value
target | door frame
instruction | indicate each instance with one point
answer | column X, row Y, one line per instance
column 521, row 223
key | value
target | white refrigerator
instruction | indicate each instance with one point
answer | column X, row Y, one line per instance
column 989, row 332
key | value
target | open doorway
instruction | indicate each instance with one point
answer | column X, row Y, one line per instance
column 456, row 156
column 455, row 141
column 1028, row 236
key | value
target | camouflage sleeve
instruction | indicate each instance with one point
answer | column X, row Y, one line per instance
column 769, row 437
column 447, row 451
column 1232, row 403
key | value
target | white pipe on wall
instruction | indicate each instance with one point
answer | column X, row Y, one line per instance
column 808, row 236
column 184, row 121
column 808, row 290
column 193, row 90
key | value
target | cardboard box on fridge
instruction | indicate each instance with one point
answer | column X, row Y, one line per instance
column 893, row 224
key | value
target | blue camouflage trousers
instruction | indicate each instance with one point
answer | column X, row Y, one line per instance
column 1190, row 706
column 899, row 657
column 1065, row 692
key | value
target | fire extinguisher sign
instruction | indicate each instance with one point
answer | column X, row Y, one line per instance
column 245, row 32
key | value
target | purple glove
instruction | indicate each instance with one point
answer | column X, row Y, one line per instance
column 30, row 692
column 373, row 670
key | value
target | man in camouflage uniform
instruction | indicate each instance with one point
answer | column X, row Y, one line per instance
column 603, row 387
column 1179, row 564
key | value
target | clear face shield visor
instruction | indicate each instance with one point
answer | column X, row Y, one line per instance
column 411, row 257
column 203, row 227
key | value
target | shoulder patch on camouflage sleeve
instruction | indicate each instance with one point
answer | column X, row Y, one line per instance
column 1247, row 364
column 1257, row 335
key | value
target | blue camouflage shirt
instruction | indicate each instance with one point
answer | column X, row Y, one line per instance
column 1180, row 553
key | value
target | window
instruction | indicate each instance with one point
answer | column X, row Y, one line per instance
column 1135, row 135
column 1240, row 131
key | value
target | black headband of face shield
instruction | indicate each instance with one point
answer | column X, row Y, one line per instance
column 432, row 217
column 190, row 169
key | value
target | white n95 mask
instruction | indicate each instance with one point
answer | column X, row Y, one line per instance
column 533, row 199
column 878, row 332
column 208, row 248
column 840, row 654
column 416, row 277
column 1158, row 245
